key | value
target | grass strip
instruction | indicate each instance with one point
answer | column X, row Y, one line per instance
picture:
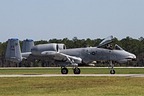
column 72, row 86
column 83, row 71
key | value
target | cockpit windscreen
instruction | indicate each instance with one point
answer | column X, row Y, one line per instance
column 117, row 47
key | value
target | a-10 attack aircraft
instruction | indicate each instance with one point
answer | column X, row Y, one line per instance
column 58, row 54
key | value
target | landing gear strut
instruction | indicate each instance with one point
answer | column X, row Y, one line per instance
column 112, row 71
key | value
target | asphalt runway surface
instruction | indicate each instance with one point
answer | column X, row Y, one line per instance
column 64, row 75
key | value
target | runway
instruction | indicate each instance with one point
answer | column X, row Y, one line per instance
column 84, row 75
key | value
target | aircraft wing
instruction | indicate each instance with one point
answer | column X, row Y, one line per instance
column 106, row 41
column 61, row 57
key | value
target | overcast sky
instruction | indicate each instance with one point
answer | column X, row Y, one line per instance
column 48, row 19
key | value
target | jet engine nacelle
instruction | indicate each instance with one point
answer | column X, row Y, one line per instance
column 36, row 50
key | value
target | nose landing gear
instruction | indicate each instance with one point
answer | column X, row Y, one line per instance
column 112, row 71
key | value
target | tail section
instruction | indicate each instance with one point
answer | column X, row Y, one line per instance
column 27, row 45
column 13, row 51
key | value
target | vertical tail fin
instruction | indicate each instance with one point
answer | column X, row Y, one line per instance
column 27, row 45
column 13, row 51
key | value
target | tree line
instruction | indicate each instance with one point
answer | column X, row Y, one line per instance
column 135, row 46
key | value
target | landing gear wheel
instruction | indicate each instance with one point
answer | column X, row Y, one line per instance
column 112, row 71
column 64, row 71
column 76, row 71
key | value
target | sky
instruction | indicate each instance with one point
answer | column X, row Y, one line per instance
column 49, row 19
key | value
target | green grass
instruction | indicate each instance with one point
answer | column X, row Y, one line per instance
column 30, row 71
column 72, row 86
column 58, row 70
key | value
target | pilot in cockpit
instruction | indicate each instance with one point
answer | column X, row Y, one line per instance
column 109, row 46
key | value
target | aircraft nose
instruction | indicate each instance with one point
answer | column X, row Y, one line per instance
column 132, row 57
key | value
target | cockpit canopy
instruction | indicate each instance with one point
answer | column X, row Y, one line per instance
column 117, row 47
column 106, row 43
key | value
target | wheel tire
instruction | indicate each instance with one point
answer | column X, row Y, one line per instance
column 112, row 71
column 64, row 71
column 76, row 71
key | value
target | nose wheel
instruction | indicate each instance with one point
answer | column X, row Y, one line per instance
column 112, row 71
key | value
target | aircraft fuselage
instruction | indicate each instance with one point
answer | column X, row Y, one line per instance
column 90, row 54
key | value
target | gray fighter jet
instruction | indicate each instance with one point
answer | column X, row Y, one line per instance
column 58, row 54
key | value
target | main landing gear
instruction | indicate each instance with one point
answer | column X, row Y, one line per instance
column 64, row 70
column 76, row 70
column 112, row 71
